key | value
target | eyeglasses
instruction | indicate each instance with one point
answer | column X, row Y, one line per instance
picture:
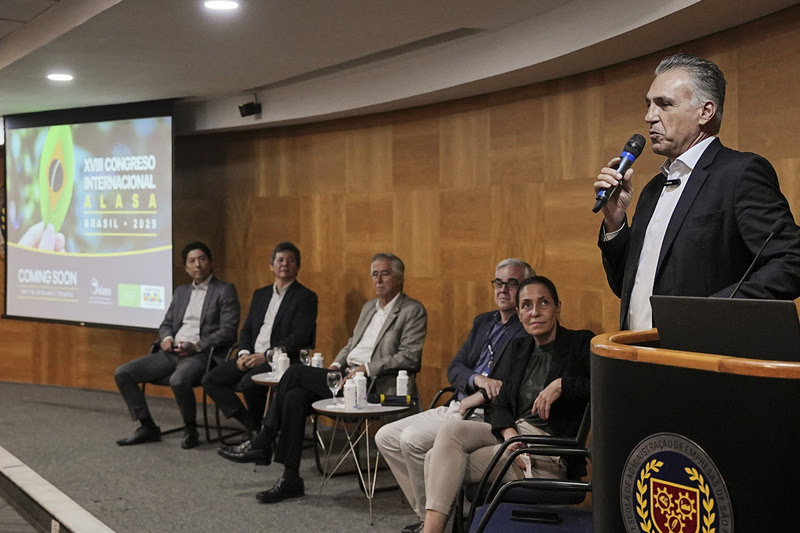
column 498, row 283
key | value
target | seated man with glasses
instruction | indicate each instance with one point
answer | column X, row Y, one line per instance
column 545, row 392
column 405, row 443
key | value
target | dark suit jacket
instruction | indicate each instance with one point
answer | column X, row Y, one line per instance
column 399, row 345
column 295, row 324
column 570, row 363
column 726, row 212
column 219, row 319
column 462, row 367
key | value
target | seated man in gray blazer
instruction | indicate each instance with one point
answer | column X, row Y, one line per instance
column 203, row 315
column 388, row 337
column 472, row 372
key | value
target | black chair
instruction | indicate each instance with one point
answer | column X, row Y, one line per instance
column 560, row 515
column 216, row 356
column 441, row 393
column 480, row 493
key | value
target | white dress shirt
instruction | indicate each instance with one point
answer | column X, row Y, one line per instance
column 264, row 339
column 190, row 329
column 362, row 353
column 640, row 314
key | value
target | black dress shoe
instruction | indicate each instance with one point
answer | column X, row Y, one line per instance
column 141, row 435
column 245, row 453
column 248, row 435
column 414, row 528
column 282, row 490
column 190, row 438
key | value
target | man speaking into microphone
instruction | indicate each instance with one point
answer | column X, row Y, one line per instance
column 699, row 223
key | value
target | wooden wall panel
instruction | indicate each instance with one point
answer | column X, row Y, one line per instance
column 451, row 188
column 516, row 138
column 768, row 75
column 572, row 124
column 415, row 154
column 369, row 160
column 464, row 148
column 416, row 232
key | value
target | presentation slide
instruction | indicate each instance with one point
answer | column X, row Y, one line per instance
column 89, row 222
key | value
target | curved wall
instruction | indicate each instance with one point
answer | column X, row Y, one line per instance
column 451, row 188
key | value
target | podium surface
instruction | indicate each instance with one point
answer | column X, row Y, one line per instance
column 692, row 442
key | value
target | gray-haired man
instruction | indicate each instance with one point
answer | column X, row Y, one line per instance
column 405, row 443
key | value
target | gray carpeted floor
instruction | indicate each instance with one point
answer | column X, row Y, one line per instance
column 67, row 436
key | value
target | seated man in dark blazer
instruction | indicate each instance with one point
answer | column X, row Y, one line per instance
column 203, row 315
column 282, row 314
column 388, row 337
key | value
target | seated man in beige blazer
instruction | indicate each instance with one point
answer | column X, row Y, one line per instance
column 388, row 337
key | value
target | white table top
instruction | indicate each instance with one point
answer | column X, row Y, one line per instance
column 371, row 409
column 265, row 378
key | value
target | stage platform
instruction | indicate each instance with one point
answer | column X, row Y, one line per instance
column 66, row 437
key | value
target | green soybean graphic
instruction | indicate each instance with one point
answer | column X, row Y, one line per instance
column 56, row 175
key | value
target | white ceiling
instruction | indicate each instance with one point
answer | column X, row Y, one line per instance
column 315, row 59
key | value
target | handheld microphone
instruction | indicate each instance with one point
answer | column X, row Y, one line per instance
column 629, row 154
column 777, row 227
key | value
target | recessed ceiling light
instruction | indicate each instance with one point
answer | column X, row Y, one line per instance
column 59, row 77
column 221, row 4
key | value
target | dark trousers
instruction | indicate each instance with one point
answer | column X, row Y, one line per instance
column 184, row 374
column 223, row 382
column 299, row 387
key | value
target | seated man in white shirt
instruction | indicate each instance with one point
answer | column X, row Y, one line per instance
column 282, row 314
column 203, row 315
column 388, row 337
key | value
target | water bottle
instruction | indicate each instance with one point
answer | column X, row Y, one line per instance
column 402, row 383
column 350, row 395
column 317, row 361
column 281, row 363
column 361, row 389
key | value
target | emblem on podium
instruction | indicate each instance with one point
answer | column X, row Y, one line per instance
column 670, row 485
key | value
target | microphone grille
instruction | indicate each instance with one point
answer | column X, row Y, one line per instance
column 778, row 226
column 635, row 145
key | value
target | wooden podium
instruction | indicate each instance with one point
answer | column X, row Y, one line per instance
column 743, row 413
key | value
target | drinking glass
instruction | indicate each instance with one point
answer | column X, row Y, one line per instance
column 304, row 358
column 270, row 355
column 334, row 382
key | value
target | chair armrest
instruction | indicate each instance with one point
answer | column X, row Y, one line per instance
column 233, row 353
column 536, row 450
column 538, row 484
column 438, row 396
column 542, row 441
column 219, row 354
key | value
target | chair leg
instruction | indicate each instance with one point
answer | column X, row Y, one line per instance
column 219, row 426
column 164, row 431
column 205, row 416
column 318, row 442
column 458, row 514
column 220, row 437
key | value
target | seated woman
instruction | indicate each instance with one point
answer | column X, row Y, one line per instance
column 545, row 391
